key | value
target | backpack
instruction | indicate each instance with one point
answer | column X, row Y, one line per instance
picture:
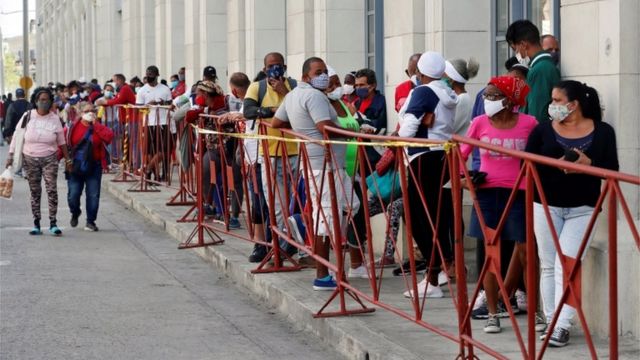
column 262, row 88
column 82, row 154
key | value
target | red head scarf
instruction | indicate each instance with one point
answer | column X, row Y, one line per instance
column 513, row 88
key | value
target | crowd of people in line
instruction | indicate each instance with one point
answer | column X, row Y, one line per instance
column 529, row 108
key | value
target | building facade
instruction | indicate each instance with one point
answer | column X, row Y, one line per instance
column 598, row 38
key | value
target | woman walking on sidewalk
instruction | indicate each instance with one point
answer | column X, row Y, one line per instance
column 43, row 134
column 87, row 139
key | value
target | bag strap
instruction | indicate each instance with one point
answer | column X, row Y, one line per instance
column 26, row 121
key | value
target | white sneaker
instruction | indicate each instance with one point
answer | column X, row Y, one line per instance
column 358, row 273
column 425, row 287
column 443, row 278
column 521, row 300
column 480, row 300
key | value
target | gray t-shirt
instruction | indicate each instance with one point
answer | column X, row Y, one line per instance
column 303, row 108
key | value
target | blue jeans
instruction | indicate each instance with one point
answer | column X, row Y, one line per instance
column 278, row 175
column 91, row 181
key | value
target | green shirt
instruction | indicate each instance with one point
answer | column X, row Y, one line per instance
column 351, row 154
column 542, row 77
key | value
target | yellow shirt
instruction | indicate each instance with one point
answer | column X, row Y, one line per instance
column 273, row 100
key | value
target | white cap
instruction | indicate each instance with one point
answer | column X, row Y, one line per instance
column 431, row 64
column 453, row 73
column 331, row 71
column 82, row 79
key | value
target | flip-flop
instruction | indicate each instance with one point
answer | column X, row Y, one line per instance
column 35, row 231
column 54, row 230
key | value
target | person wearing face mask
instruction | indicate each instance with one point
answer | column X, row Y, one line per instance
column 576, row 133
column 91, row 136
column 154, row 93
column 74, row 92
column 501, row 126
column 550, row 45
column 44, row 134
column 524, row 38
column 429, row 113
column 260, row 103
column 405, row 87
column 181, row 85
column 349, row 96
column 371, row 105
column 307, row 110
column 173, row 81
column 459, row 72
column 124, row 94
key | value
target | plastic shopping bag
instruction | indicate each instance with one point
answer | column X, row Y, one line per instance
column 6, row 183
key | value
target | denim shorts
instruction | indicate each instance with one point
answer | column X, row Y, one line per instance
column 492, row 203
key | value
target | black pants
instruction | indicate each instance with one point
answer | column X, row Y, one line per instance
column 427, row 169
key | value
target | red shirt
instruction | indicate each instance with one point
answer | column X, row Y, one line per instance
column 102, row 136
column 364, row 104
column 124, row 96
column 402, row 93
column 179, row 90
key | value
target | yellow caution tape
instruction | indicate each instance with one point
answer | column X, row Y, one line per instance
column 318, row 142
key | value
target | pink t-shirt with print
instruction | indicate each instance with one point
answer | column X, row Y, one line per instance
column 502, row 170
column 43, row 135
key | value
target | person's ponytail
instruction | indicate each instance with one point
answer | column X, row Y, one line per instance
column 591, row 104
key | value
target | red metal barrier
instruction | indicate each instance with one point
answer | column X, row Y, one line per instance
column 459, row 331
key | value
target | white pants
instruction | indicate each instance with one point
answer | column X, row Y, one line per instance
column 570, row 225
column 321, row 200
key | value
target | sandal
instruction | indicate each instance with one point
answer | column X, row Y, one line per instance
column 54, row 230
column 35, row 231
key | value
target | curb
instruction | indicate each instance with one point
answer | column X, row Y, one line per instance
column 348, row 335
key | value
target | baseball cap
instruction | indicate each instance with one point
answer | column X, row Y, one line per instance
column 19, row 92
column 210, row 72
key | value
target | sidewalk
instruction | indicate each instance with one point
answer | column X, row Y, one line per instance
column 380, row 335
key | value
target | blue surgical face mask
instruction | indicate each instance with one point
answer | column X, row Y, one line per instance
column 362, row 92
column 320, row 82
column 174, row 83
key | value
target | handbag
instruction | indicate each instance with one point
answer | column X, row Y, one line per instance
column 385, row 186
column 18, row 134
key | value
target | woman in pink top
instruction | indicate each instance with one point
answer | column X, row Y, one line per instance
column 43, row 135
column 503, row 127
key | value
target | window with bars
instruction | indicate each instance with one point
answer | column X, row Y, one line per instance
column 374, row 53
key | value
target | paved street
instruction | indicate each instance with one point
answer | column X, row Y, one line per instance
column 125, row 292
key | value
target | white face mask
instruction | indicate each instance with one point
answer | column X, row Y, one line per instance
column 347, row 89
column 89, row 117
column 336, row 94
column 523, row 60
column 492, row 107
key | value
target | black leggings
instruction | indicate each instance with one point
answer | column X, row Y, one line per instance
column 427, row 169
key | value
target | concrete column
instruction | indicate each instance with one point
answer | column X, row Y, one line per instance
column 602, row 56
column 161, row 32
column 147, row 36
column 343, row 53
column 300, row 32
column 173, row 55
column 265, row 32
column 236, row 47
column 213, row 37
column 191, row 41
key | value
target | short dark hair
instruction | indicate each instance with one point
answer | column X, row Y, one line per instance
column 240, row 80
column 153, row 69
column 174, row 76
column 306, row 66
column 94, row 81
column 134, row 80
column 274, row 53
column 38, row 91
column 369, row 74
column 120, row 77
column 523, row 30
